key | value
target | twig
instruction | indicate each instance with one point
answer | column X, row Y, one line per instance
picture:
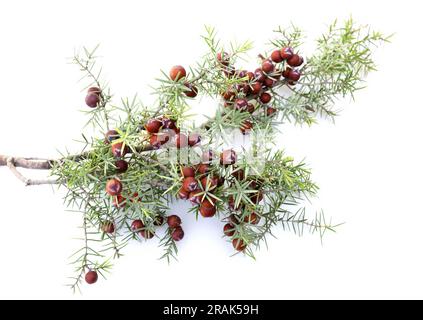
column 28, row 182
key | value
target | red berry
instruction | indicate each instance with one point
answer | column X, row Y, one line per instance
column 246, row 126
column 276, row 56
column 243, row 88
column 295, row 61
column 119, row 201
column 177, row 72
column 234, row 219
column 223, row 58
column 91, row 277
column 294, row 75
column 265, row 97
column 259, row 75
column 191, row 91
column 183, row 194
column 286, row 72
column 173, row 221
column 228, row 157
column 153, row 125
column 250, row 76
column 118, row 150
column 177, row 234
column 203, row 168
column 238, row 174
column 269, row 82
column 135, row 197
column 137, row 225
column 256, row 197
column 110, row 136
column 252, row 218
column 166, row 123
column 209, row 182
column 287, row 53
column 194, row 139
column 229, row 230
column 255, row 87
column 155, row 141
column 188, row 172
column 251, row 108
column 207, row 156
column 147, row 234
column 92, row 99
column 231, row 204
column 207, row 209
column 195, row 196
column 239, row 244
column 190, row 184
column 267, row 66
column 94, row 90
column 121, row 166
column 270, row 111
column 158, row 221
column 181, row 140
column 241, row 104
column 113, row 187
column 108, row 227
column 228, row 95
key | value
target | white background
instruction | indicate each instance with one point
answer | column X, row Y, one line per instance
column 368, row 164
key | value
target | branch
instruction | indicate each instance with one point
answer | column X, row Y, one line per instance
column 37, row 164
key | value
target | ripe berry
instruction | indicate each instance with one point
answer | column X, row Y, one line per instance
column 158, row 221
column 110, row 136
column 238, row 174
column 241, row 104
column 183, row 194
column 113, row 187
column 207, row 209
column 286, row 72
column 239, row 244
column 91, row 277
column 269, row 82
column 194, row 139
column 270, row 111
column 155, row 141
column 108, row 227
column 181, row 140
column 252, row 218
column 243, row 88
column 260, row 76
column 134, row 197
column 251, row 108
column 188, row 172
column 119, row 201
column 94, row 90
column 221, row 181
column 92, row 99
column 177, row 72
column 118, row 150
column 228, row 157
column 195, row 196
column 166, row 123
column 147, row 234
column 265, row 97
column 250, row 76
column 191, row 91
column 177, row 234
column 276, row 56
column 209, row 182
column 229, row 230
column 295, row 61
column 294, row 75
column 173, row 221
column 234, row 219
column 246, row 126
column 231, row 204
column 223, row 58
column 121, row 166
column 228, row 95
column 203, row 168
column 190, row 184
column 137, row 225
column 207, row 156
column 287, row 53
column 153, row 125
column 256, row 197
column 267, row 66
column 255, row 87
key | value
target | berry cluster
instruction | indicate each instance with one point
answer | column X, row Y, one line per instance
column 251, row 92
